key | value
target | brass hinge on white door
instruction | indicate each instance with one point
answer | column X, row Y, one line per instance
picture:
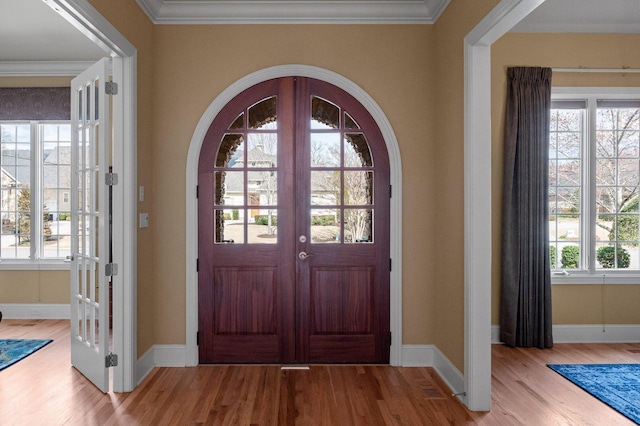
column 111, row 88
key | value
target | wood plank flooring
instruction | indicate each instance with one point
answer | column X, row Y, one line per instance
column 44, row 389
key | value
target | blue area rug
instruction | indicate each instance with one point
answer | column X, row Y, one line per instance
column 617, row 385
column 13, row 350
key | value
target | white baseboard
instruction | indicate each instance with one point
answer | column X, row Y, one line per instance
column 160, row 356
column 588, row 333
column 430, row 356
column 170, row 355
column 35, row 311
column 614, row 333
column 412, row 356
column 144, row 365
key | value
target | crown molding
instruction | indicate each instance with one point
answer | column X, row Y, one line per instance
column 43, row 68
column 293, row 11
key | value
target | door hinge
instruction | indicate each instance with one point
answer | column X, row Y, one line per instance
column 110, row 179
column 111, row 269
column 111, row 360
column 111, row 88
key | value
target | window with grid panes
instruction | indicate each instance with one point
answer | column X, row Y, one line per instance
column 35, row 192
column 594, row 184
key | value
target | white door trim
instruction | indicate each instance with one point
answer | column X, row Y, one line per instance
column 477, row 194
column 395, row 168
column 88, row 20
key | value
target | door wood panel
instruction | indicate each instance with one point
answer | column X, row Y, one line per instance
column 245, row 300
column 342, row 300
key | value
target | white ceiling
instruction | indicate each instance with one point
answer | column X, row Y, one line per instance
column 583, row 16
column 30, row 30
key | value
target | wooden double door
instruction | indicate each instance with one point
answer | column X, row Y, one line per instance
column 293, row 210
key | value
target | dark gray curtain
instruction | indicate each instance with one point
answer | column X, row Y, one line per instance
column 525, row 298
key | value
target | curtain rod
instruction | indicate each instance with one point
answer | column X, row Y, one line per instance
column 597, row 70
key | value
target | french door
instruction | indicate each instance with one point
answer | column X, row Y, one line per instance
column 293, row 211
column 90, row 156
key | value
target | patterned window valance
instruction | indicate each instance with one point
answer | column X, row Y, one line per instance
column 35, row 103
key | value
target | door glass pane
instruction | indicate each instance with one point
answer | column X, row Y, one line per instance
column 230, row 151
column 96, row 99
column 358, row 188
column 87, row 91
column 56, row 184
column 263, row 227
column 262, row 150
column 325, row 149
column 263, row 114
column 356, row 151
column 229, row 226
column 349, row 122
column 358, row 225
column 325, row 188
column 325, row 225
column 80, row 307
column 262, row 187
column 229, row 187
column 324, row 114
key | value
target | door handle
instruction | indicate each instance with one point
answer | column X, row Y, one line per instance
column 303, row 255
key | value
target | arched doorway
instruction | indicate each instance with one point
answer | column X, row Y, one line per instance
column 293, row 214
column 191, row 202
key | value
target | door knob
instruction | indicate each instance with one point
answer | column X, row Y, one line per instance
column 303, row 255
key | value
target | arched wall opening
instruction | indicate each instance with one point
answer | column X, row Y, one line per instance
column 395, row 171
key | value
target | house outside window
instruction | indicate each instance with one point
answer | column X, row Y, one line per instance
column 594, row 185
column 36, row 181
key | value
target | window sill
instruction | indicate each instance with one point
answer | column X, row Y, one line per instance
column 632, row 278
column 42, row 265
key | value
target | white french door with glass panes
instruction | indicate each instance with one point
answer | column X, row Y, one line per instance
column 90, row 205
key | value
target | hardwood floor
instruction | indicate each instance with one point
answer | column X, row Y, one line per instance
column 44, row 389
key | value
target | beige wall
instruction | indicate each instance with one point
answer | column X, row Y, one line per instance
column 35, row 81
column 446, row 183
column 572, row 304
column 415, row 74
column 194, row 64
column 34, row 287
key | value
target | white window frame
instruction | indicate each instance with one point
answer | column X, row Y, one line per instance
column 591, row 275
column 35, row 261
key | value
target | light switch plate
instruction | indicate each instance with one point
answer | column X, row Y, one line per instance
column 144, row 220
